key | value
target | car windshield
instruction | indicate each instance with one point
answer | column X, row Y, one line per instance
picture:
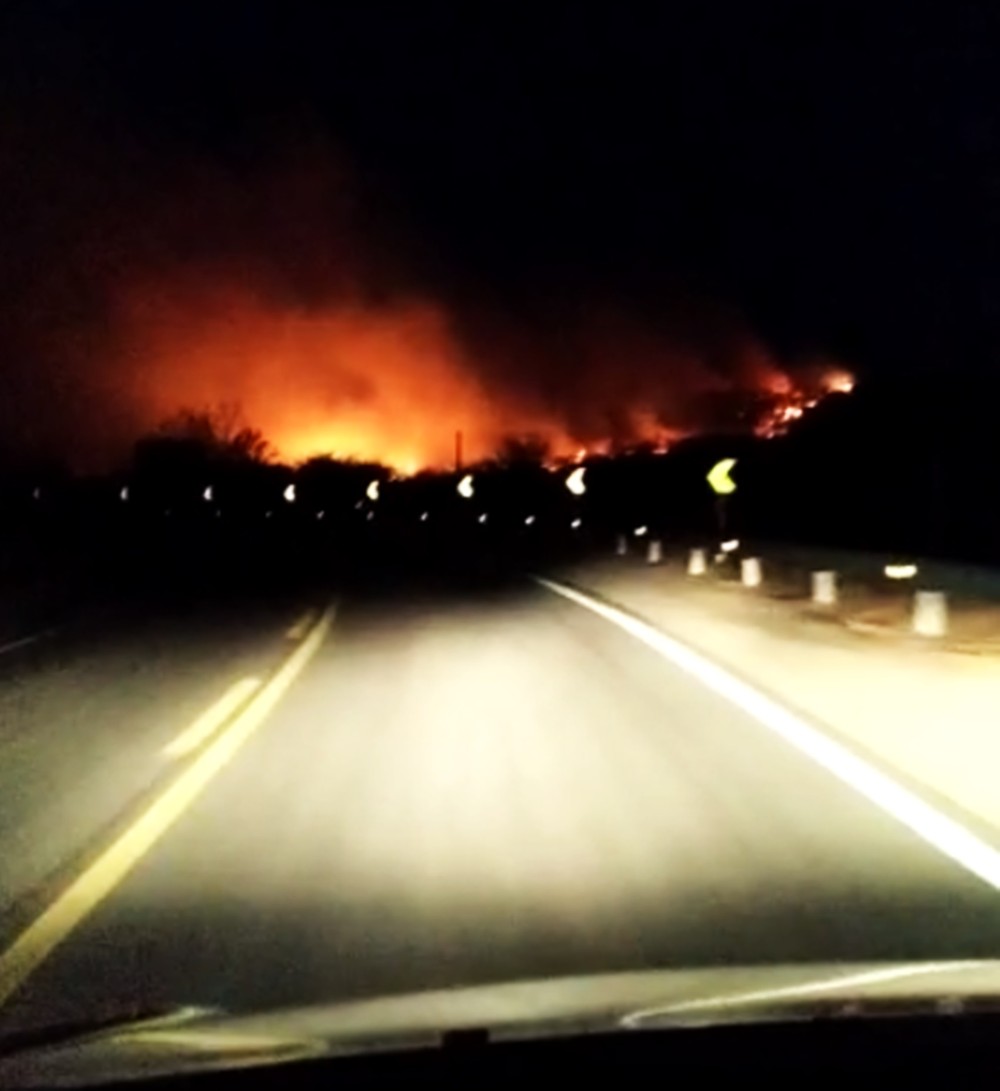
column 493, row 496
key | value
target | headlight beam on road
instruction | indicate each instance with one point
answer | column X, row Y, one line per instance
column 938, row 829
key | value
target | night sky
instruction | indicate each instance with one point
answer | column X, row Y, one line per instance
column 570, row 220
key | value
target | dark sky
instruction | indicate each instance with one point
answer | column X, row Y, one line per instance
column 824, row 176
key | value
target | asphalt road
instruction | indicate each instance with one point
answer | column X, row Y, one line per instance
column 441, row 790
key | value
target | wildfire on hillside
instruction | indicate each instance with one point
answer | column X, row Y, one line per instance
column 279, row 294
column 397, row 383
column 792, row 404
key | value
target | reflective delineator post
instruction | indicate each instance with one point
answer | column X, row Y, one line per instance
column 696, row 562
column 824, row 588
column 750, row 571
column 654, row 554
column 930, row 613
column 621, row 545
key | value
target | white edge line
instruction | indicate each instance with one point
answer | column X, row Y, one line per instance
column 807, row 988
column 933, row 826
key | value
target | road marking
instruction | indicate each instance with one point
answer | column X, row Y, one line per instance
column 933, row 826
column 212, row 718
column 302, row 626
column 86, row 892
column 822, row 986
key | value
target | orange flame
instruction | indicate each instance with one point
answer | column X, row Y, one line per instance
column 794, row 403
column 391, row 383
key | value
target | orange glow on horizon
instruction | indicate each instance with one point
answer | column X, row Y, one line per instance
column 390, row 383
column 387, row 385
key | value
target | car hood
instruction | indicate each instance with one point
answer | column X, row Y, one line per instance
column 190, row 1039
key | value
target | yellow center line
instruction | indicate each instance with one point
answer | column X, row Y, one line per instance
column 302, row 626
column 212, row 718
column 86, row 892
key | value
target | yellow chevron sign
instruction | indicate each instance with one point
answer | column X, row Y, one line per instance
column 718, row 477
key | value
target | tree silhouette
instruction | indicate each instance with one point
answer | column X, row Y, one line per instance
column 522, row 450
column 220, row 432
column 325, row 480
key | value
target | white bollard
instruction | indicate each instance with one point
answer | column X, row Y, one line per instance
column 621, row 545
column 654, row 554
column 930, row 613
column 750, row 571
column 696, row 562
column 824, row 588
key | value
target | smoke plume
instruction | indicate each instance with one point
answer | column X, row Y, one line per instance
column 136, row 284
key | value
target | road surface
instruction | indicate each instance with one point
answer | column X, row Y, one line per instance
column 426, row 791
